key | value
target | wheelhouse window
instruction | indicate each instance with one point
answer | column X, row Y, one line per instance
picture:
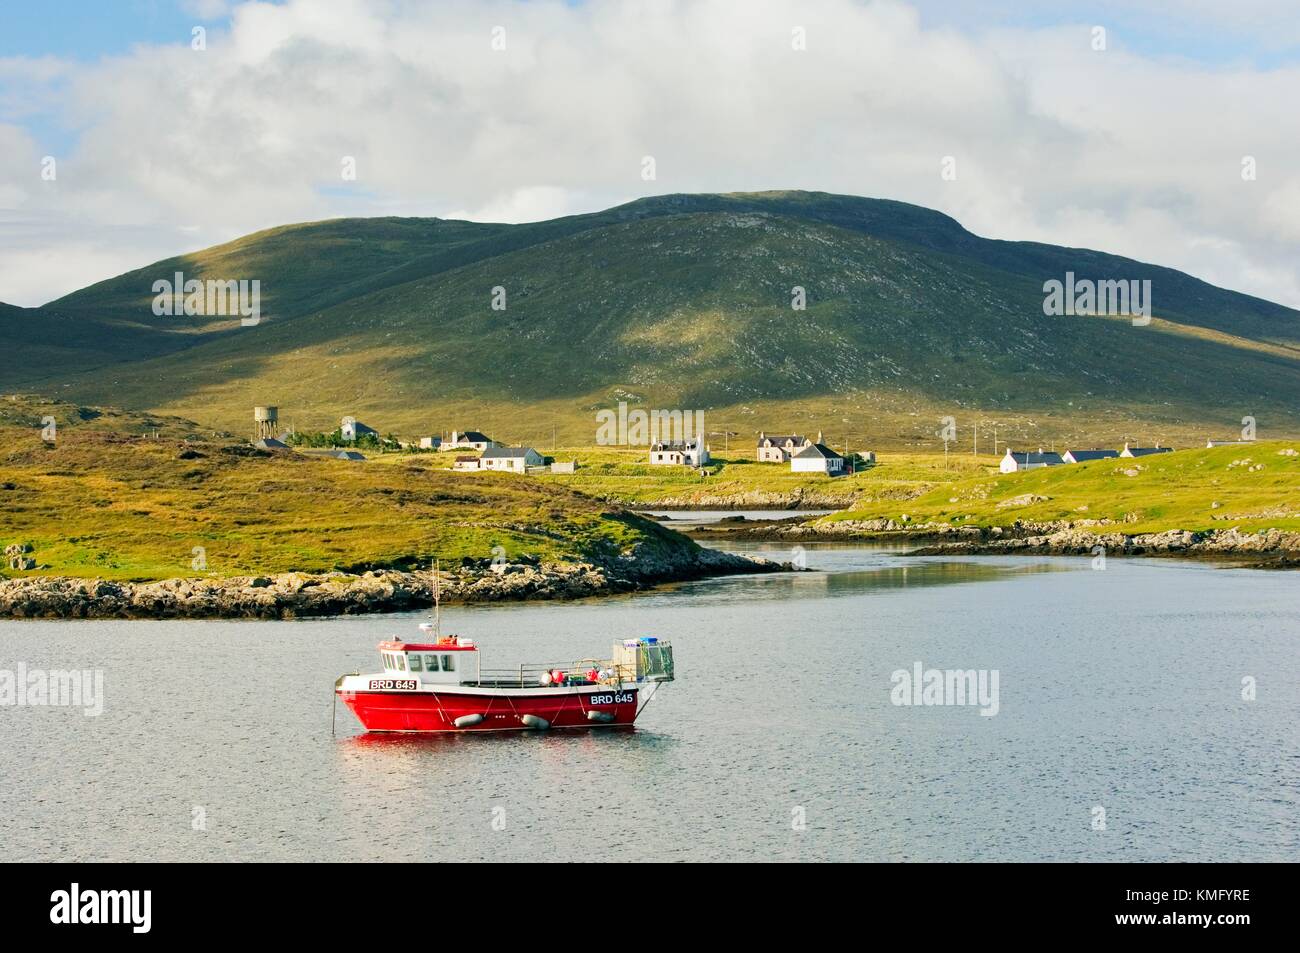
column 449, row 663
column 415, row 663
column 431, row 663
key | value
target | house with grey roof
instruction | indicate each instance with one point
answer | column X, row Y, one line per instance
column 1143, row 451
column 1083, row 456
column 690, row 453
column 510, row 459
column 1029, row 460
column 468, row 440
column 351, row 428
column 817, row 458
column 779, row 448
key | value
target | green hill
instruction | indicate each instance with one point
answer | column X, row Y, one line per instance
column 674, row 302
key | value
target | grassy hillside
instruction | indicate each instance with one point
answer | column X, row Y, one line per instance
column 1251, row 487
column 108, row 503
column 678, row 301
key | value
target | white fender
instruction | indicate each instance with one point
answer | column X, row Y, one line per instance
column 534, row 721
column 602, row 716
column 467, row 721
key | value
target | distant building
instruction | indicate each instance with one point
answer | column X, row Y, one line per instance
column 468, row 440
column 690, row 453
column 569, row 466
column 267, row 420
column 430, row 443
column 817, row 458
column 779, row 448
column 512, row 459
column 270, row 443
column 465, row 463
column 1142, row 451
column 333, row 454
column 1014, row 462
column 1083, row 456
column 351, row 429
column 1224, row 443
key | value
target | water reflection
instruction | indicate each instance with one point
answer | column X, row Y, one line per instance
column 839, row 570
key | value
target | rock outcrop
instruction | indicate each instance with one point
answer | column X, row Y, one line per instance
column 336, row 593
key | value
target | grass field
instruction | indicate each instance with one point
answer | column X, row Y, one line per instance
column 1252, row 487
column 109, row 503
column 138, row 496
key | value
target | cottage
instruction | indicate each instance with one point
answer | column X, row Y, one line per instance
column 817, row 458
column 568, row 466
column 1014, row 462
column 469, row 440
column 1083, row 456
column 430, row 443
column 465, row 462
column 351, row 429
column 691, row 453
column 1143, row 451
column 512, row 459
column 779, row 448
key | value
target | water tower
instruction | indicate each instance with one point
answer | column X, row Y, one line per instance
column 268, row 422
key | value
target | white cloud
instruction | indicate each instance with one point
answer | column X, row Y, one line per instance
column 1054, row 141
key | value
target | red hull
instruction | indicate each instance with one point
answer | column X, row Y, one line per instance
column 438, row 711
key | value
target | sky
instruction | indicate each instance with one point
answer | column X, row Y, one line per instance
column 142, row 129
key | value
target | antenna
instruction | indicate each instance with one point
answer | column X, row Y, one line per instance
column 437, row 602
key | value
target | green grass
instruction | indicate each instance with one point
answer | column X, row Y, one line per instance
column 1143, row 495
column 677, row 302
column 119, row 505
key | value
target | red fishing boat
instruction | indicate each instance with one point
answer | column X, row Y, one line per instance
column 440, row 685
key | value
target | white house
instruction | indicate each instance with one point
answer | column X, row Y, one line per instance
column 778, row 448
column 817, row 458
column 430, row 443
column 468, row 440
column 690, row 453
column 1143, row 451
column 1083, row 456
column 351, row 429
column 465, row 462
column 512, row 459
column 1014, row 462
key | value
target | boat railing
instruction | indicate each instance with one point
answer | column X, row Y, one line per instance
column 575, row 673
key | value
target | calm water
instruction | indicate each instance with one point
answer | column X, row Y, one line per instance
column 1119, row 689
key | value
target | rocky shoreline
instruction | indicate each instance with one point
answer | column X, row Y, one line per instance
column 290, row 595
column 1269, row 548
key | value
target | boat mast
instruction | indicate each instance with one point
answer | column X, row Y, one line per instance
column 437, row 602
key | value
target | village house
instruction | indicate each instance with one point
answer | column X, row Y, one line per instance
column 468, row 440
column 511, row 459
column 777, row 448
column 1029, row 460
column 817, row 458
column 1143, row 451
column 1083, row 456
column 430, row 443
column 690, row 453
column 351, row 429
column 465, row 462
